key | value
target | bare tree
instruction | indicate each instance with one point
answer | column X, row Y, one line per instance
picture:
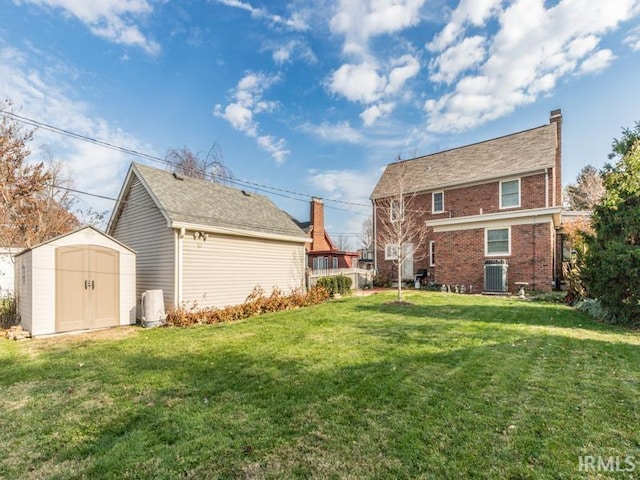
column 366, row 236
column 586, row 192
column 343, row 243
column 400, row 226
column 212, row 167
column 32, row 209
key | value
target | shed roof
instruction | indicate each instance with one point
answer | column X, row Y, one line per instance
column 73, row 232
column 514, row 154
column 188, row 201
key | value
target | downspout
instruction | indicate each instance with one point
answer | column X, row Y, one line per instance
column 179, row 265
column 533, row 239
column 546, row 187
column 375, row 238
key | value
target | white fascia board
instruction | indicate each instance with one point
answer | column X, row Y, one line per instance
column 240, row 233
column 517, row 217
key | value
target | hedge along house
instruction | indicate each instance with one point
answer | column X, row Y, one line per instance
column 77, row 281
column 202, row 243
column 494, row 206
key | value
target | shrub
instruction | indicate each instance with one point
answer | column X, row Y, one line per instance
column 381, row 280
column 336, row 285
column 595, row 309
column 255, row 304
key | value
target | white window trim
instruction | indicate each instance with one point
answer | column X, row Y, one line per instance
column 395, row 205
column 433, row 202
column 519, row 192
column 387, row 250
column 486, row 242
column 432, row 246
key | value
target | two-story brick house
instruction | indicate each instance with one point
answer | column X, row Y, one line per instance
column 493, row 204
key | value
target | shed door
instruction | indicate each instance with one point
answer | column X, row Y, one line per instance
column 87, row 287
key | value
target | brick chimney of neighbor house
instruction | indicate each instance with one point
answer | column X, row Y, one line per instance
column 317, row 221
column 556, row 117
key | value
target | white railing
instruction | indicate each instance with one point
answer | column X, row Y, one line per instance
column 359, row 276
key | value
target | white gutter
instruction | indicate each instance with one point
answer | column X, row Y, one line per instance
column 492, row 217
column 240, row 233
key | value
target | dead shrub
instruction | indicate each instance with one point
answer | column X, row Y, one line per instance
column 255, row 304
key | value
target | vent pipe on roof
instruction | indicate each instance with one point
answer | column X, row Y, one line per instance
column 177, row 177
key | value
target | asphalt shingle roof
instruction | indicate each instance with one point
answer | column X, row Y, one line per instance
column 512, row 154
column 194, row 201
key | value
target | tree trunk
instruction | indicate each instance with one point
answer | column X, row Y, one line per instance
column 399, row 281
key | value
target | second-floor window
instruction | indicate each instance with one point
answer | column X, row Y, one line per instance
column 437, row 203
column 397, row 211
column 510, row 193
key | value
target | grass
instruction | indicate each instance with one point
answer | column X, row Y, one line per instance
column 449, row 387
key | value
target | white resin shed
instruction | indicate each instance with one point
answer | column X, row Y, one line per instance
column 78, row 281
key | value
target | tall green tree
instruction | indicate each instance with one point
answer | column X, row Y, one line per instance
column 612, row 269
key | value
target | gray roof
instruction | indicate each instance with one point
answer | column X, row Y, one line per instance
column 186, row 200
column 513, row 154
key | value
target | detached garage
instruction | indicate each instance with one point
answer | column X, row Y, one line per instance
column 78, row 281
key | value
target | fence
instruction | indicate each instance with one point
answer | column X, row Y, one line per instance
column 360, row 277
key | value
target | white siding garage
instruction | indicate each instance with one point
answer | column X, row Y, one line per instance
column 82, row 280
column 204, row 243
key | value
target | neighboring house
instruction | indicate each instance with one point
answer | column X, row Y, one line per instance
column 365, row 258
column 322, row 253
column 494, row 204
column 6, row 270
column 205, row 244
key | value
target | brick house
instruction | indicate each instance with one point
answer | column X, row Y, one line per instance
column 493, row 206
column 322, row 253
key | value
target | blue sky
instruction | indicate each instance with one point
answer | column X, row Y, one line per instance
column 315, row 97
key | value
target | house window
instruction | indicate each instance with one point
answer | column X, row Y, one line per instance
column 510, row 193
column 335, row 263
column 315, row 263
column 391, row 252
column 397, row 210
column 437, row 202
column 498, row 241
column 432, row 253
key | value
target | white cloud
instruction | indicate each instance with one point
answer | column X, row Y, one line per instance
column 365, row 78
column 360, row 20
column 533, row 48
column 374, row 112
column 348, row 185
column 297, row 21
column 403, row 69
column 293, row 49
column 367, row 83
column 358, row 82
column 633, row 39
column 276, row 147
column 339, row 132
column 247, row 102
column 45, row 93
column 474, row 12
column 597, row 62
column 112, row 20
column 457, row 58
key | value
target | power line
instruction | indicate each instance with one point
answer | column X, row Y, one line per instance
column 61, row 131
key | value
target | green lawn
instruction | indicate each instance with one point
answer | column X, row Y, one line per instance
column 450, row 387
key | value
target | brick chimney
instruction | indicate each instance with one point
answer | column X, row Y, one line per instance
column 317, row 221
column 556, row 117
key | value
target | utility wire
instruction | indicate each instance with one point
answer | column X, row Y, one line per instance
column 45, row 126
